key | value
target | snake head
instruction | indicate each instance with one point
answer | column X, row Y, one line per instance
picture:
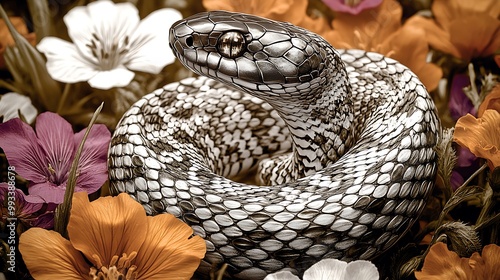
column 257, row 55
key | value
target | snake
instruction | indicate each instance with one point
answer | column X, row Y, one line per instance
column 281, row 150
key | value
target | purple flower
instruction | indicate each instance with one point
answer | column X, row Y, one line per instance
column 30, row 211
column 459, row 104
column 351, row 6
column 44, row 158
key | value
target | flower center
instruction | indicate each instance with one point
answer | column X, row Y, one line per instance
column 352, row 3
column 118, row 269
column 108, row 53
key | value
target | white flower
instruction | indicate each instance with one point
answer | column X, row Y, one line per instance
column 109, row 41
column 332, row 269
column 11, row 103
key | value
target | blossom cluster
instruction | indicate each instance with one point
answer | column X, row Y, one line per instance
column 56, row 70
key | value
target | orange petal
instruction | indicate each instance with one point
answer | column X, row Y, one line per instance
column 475, row 36
column 440, row 263
column 407, row 47
column 436, row 36
column 107, row 226
column 481, row 136
column 49, row 256
column 491, row 259
column 169, row 252
column 492, row 100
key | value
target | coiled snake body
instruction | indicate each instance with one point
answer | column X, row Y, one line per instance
column 343, row 140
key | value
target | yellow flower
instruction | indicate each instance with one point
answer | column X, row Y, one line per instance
column 481, row 136
column 463, row 28
column 118, row 239
column 293, row 11
column 492, row 101
column 380, row 30
column 441, row 263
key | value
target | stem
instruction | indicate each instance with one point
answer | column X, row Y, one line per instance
column 63, row 99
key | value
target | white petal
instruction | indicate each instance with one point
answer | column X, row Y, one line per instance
column 64, row 62
column 361, row 270
column 150, row 51
column 11, row 102
column 108, row 21
column 118, row 77
column 325, row 270
column 282, row 275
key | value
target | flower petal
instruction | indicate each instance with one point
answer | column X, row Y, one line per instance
column 436, row 36
column 55, row 137
column 491, row 101
column 21, row 147
column 340, row 6
column 12, row 102
column 64, row 62
column 113, row 226
column 92, row 168
column 118, row 77
column 359, row 270
column 49, row 256
column 326, row 269
column 481, row 136
column 48, row 191
column 440, row 263
column 282, row 275
column 170, row 250
column 150, row 50
column 459, row 104
column 102, row 19
column 491, row 259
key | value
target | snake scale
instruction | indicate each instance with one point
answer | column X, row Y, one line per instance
column 343, row 142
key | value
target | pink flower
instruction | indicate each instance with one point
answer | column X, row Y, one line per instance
column 30, row 211
column 351, row 6
column 44, row 158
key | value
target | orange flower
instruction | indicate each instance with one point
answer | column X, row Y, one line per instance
column 481, row 136
column 380, row 30
column 441, row 263
column 293, row 11
column 492, row 101
column 7, row 40
column 117, row 237
column 463, row 28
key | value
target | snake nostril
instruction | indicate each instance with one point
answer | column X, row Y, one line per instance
column 189, row 41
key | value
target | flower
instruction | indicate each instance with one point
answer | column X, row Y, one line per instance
column 481, row 136
column 441, row 263
column 6, row 39
column 380, row 30
column 332, row 269
column 45, row 158
column 293, row 11
column 492, row 101
column 459, row 104
column 463, row 28
column 351, row 6
column 12, row 103
column 115, row 236
column 109, row 42
column 30, row 211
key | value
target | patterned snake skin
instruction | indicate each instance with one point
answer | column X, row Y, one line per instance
column 343, row 141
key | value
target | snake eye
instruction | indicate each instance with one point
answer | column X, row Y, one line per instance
column 189, row 41
column 231, row 44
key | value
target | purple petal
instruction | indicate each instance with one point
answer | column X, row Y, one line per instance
column 49, row 192
column 464, row 157
column 456, row 180
column 21, row 147
column 92, row 167
column 55, row 136
column 23, row 208
column 340, row 6
column 45, row 220
column 459, row 104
